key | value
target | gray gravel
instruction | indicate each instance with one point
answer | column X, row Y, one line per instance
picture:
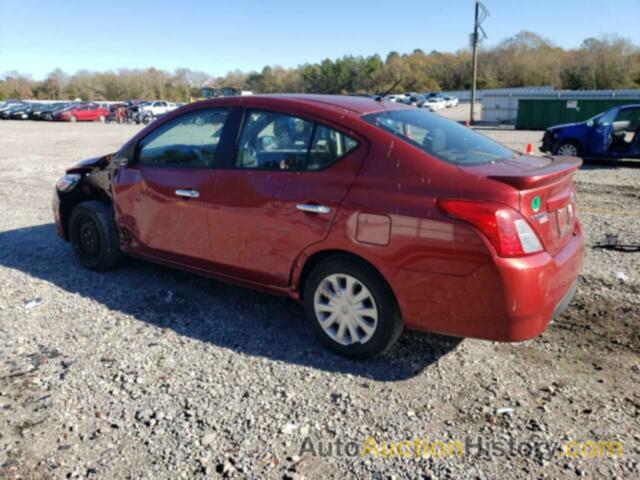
column 147, row 372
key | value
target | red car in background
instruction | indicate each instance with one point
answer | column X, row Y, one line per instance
column 88, row 112
column 374, row 215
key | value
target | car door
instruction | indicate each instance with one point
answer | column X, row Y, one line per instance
column 626, row 128
column 600, row 135
column 163, row 197
column 89, row 112
column 634, row 128
column 85, row 112
column 278, row 193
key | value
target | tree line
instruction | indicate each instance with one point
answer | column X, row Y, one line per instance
column 526, row 59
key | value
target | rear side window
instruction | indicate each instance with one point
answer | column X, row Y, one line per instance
column 441, row 138
column 328, row 146
column 189, row 140
column 275, row 141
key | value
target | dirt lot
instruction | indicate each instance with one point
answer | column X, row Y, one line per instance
column 147, row 372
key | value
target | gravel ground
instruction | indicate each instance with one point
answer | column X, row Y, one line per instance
column 147, row 372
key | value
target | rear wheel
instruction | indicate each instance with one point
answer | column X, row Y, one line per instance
column 73, row 118
column 568, row 148
column 350, row 308
column 94, row 236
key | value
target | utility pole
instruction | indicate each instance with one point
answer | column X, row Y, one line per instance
column 481, row 13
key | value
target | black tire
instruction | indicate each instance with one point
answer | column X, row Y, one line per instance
column 567, row 145
column 93, row 234
column 389, row 322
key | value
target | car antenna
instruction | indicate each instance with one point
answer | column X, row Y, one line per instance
column 380, row 97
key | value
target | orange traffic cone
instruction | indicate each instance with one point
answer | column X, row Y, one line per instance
column 529, row 149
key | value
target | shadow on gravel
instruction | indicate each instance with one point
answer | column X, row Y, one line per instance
column 609, row 164
column 228, row 316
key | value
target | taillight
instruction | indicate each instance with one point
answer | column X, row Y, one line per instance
column 507, row 230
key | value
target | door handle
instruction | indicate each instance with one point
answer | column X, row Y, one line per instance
column 187, row 193
column 309, row 208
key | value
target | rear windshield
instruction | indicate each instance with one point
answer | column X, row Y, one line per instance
column 441, row 138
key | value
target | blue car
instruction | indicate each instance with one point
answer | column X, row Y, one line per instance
column 613, row 134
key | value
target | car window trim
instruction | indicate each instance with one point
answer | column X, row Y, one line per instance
column 230, row 163
column 138, row 145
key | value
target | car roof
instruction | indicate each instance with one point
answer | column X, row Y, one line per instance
column 350, row 104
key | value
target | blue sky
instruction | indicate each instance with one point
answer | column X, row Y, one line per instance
column 218, row 36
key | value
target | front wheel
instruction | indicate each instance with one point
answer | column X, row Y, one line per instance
column 94, row 236
column 567, row 148
column 351, row 309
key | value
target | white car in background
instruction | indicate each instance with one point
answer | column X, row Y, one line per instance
column 451, row 101
column 157, row 108
column 396, row 98
column 434, row 104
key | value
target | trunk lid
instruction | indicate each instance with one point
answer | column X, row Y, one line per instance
column 546, row 192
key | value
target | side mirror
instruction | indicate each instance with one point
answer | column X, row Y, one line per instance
column 119, row 160
column 124, row 156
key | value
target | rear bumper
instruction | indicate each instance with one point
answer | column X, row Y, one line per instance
column 509, row 299
column 566, row 301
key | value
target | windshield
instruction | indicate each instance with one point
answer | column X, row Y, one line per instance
column 441, row 138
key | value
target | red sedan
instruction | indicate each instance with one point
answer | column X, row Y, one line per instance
column 374, row 215
column 83, row 113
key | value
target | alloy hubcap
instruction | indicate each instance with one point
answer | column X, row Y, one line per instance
column 345, row 309
column 568, row 149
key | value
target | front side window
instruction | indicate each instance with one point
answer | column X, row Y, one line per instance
column 441, row 138
column 189, row 140
column 275, row 141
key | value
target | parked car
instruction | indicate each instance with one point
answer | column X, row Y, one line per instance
column 404, row 100
column 157, row 108
column 435, row 104
column 135, row 112
column 451, row 101
column 59, row 107
column 416, row 99
column 38, row 112
column 23, row 112
column 276, row 193
column 612, row 134
column 88, row 112
column 8, row 109
column 8, row 103
column 395, row 98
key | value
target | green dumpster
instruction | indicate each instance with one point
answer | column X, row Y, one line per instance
column 538, row 114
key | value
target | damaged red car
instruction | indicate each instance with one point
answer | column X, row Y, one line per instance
column 375, row 216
